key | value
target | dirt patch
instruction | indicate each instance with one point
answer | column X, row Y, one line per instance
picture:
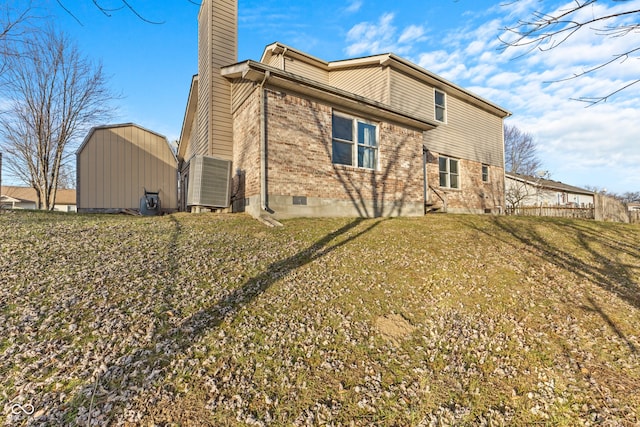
column 394, row 327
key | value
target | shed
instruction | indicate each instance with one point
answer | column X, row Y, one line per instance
column 116, row 164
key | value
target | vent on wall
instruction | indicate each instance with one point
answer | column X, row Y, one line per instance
column 209, row 182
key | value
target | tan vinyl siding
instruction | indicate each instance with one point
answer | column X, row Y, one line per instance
column 411, row 95
column 217, row 47
column 276, row 61
column 201, row 146
column 370, row 82
column 223, row 32
column 193, row 138
column 469, row 133
column 240, row 90
column 221, row 120
column 304, row 69
column 117, row 163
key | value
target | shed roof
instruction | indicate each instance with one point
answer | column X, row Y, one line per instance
column 119, row 125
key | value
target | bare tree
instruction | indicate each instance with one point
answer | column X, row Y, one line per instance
column 108, row 11
column 546, row 30
column 630, row 197
column 54, row 95
column 516, row 192
column 13, row 29
column 520, row 152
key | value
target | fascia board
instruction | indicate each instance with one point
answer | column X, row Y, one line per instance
column 192, row 104
column 277, row 78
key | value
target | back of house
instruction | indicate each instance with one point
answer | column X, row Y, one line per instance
column 294, row 135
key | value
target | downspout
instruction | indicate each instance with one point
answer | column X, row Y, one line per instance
column 425, row 181
column 284, row 59
column 263, row 146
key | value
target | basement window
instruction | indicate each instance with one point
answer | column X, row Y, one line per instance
column 449, row 172
column 354, row 142
column 300, row 200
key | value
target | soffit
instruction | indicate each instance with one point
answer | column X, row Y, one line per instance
column 387, row 60
column 274, row 77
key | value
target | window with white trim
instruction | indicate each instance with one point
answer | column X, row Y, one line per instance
column 440, row 106
column 449, row 172
column 485, row 173
column 354, row 142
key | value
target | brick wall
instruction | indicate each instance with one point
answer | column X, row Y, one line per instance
column 299, row 164
column 246, row 153
column 473, row 196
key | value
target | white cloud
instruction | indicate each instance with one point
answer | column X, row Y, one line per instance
column 382, row 37
column 580, row 146
column 505, row 79
column 476, row 47
column 354, row 6
column 412, row 33
column 367, row 37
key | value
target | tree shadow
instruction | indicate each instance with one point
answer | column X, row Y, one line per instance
column 152, row 357
column 605, row 269
column 369, row 190
column 596, row 259
column 595, row 308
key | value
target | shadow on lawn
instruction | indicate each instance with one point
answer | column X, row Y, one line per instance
column 602, row 256
column 188, row 332
column 209, row 318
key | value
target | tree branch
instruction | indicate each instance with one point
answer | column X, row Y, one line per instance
column 546, row 31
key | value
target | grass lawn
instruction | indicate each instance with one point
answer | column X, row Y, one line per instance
column 217, row 320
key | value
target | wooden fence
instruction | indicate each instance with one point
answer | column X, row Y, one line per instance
column 556, row 211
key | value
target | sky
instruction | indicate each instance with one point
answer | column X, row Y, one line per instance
column 151, row 64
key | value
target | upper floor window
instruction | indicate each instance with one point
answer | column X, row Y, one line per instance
column 354, row 142
column 485, row 173
column 449, row 173
column 440, row 106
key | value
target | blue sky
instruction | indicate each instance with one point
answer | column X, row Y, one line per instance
column 151, row 65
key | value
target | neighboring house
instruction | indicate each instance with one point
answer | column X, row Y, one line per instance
column 293, row 135
column 633, row 209
column 26, row 198
column 117, row 163
column 524, row 190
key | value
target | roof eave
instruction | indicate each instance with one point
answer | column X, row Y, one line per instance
column 257, row 72
column 190, row 111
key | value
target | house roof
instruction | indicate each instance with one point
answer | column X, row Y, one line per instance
column 190, row 111
column 28, row 194
column 547, row 183
column 385, row 59
column 259, row 72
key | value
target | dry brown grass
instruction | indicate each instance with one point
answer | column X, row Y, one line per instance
column 216, row 320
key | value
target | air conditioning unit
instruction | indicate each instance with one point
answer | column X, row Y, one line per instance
column 209, row 182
